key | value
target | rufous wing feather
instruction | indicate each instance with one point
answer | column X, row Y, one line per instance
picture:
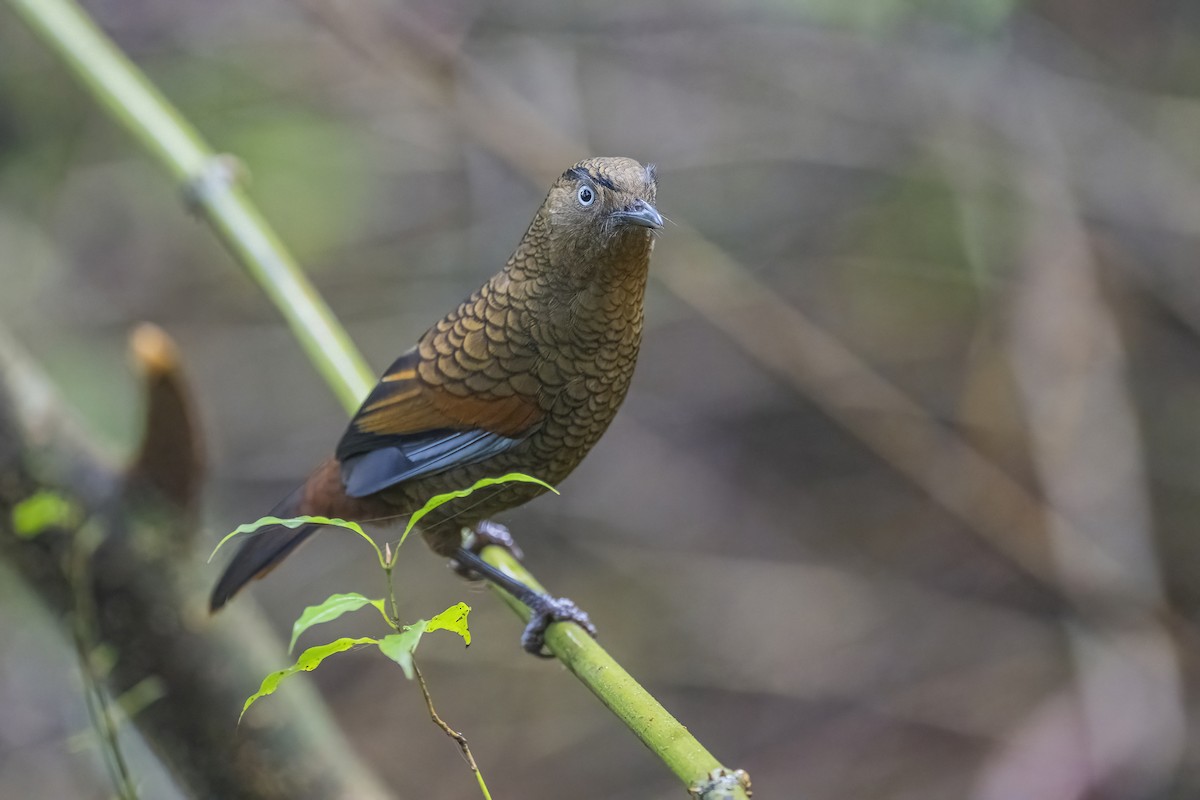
column 408, row 428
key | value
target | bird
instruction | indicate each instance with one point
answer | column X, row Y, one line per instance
column 524, row 375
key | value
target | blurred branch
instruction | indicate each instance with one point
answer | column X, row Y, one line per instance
column 1070, row 368
column 142, row 594
column 208, row 181
column 210, row 184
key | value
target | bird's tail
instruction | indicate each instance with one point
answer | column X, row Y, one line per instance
column 262, row 551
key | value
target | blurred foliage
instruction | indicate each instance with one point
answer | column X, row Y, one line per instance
column 881, row 16
column 41, row 511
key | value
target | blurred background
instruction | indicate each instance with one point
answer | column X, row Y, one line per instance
column 904, row 500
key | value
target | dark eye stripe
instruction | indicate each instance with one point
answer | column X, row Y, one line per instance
column 605, row 182
column 579, row 173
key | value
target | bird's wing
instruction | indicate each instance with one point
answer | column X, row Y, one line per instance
column 409, row 428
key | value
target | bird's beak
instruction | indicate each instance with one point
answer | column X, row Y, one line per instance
column 641, row 213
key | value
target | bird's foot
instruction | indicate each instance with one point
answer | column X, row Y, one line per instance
column 487, row 533
column 547, row 609
column 484, row 534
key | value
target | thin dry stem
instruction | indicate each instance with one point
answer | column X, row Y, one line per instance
column 453, row 734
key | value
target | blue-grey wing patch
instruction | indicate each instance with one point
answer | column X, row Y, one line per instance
column 416, row 455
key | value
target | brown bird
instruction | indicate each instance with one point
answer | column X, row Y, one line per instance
column 524, row 376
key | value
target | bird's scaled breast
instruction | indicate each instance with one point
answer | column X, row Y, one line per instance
column 589, row 384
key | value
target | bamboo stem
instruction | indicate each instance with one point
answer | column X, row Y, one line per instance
column 208, row 181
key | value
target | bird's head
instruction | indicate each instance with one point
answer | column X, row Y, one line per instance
column 603, row 208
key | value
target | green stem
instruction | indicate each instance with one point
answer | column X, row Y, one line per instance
column 453, row 734
column 391, row 590
column 209, row 184
column 617, row 689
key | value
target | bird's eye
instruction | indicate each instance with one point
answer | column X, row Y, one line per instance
column 586, row 196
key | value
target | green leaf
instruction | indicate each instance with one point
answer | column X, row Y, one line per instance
column 399, row 647
column 45, row 509
column 442, row 499
column 453, row 619
column 309, row 660
column 296, row 522
column 331, row 609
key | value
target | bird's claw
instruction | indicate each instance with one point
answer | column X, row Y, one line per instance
column 487, row 533
column 546, row 610
column 484, row 534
